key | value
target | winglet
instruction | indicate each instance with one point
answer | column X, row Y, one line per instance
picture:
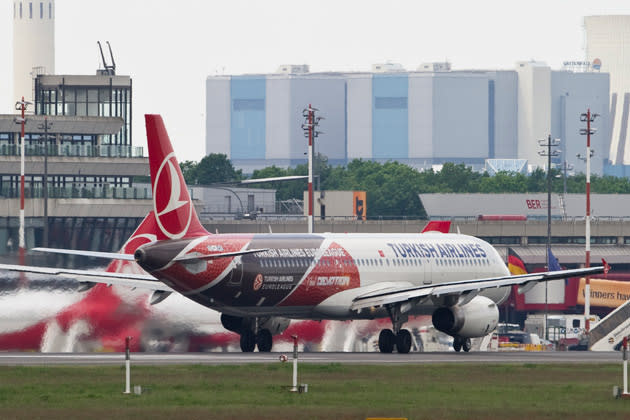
column 174, row 211
column 443, row 226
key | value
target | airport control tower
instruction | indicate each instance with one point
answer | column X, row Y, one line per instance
column 33, row 44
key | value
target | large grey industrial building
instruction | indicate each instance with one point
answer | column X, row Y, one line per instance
column 423, row 118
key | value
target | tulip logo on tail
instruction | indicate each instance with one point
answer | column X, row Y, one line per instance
column 171, row 202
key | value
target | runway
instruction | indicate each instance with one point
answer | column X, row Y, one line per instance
column 41, row 359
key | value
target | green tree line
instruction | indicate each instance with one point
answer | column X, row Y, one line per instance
column 392, row 188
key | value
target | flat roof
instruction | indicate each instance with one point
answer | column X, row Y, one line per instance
column 62, row 124
column 54, row 80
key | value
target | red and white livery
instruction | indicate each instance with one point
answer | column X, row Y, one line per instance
column 259, row 282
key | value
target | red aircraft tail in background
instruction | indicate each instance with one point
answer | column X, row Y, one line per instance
column 443, row 226
column 103, row 318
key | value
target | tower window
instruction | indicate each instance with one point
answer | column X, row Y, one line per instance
column 49, row 10
column 20, row 10
column 41, row 10
column 30, row 10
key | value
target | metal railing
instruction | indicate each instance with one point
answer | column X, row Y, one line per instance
column 74, row 150
column 124, row 193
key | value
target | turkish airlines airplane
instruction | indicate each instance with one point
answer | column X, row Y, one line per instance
column 260, row 281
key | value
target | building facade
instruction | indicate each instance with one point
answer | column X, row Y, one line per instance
column 100, row 95
column 608, row 47
column 422, row 118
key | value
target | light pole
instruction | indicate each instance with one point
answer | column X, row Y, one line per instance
column 21, row 106
column 46, row 125
column 549, row 153
column 588, row 131
column 310, row 131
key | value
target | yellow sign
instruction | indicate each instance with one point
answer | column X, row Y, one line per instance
column 608, row 293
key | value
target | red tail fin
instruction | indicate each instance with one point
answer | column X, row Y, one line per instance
column 443, row 226
column 174, row 212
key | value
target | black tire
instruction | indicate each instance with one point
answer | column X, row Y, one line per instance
column 457, row 344
column 264, row 341
column 466, row 344
column 248, row 341
column 386, row 340
column 403, row 341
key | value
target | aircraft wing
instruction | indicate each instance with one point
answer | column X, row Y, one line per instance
column 465, row 288
column 141, row 281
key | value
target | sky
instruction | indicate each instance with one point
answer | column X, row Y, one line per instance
column 170, row 47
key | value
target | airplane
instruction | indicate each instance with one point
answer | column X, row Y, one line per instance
column 259, row 282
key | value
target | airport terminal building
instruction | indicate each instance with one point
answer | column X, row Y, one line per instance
column 422, row 118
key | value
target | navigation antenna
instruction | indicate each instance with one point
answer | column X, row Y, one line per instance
column 108, row 69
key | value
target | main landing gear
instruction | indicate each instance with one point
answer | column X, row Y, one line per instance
column 255, row 332
column 461, row 343
column 263, row 340
column 401, row 338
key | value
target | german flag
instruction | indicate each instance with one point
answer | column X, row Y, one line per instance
column 515, row 263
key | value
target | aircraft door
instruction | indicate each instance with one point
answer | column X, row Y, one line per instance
column 235, row 276
column 427, row 270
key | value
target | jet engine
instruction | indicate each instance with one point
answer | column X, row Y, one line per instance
column 474, row 319
column 275, row 324
column 237, row 324
column 232, row 323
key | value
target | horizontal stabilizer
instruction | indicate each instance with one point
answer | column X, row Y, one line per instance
column 140, row 281
column 96, row 254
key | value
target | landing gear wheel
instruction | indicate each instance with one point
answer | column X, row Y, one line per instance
column 457, row 344
column 403, row 341
column 248, row 341
column 386, row 340
column 466, row 344
column 264, row 340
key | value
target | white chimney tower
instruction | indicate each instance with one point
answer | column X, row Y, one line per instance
column 33, row 44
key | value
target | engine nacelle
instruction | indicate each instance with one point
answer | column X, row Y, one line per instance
column 232, row 323
column 477, row 318
column 237, row 324
column 275, row 324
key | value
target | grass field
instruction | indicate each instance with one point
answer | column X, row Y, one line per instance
column 451, row 391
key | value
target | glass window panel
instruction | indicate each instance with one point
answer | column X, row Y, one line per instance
column 81, row 109
column 103, row 95
column 92, row 95
column 92, row 109
column 71, row 109
column 104, row 110
column 81, row 95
